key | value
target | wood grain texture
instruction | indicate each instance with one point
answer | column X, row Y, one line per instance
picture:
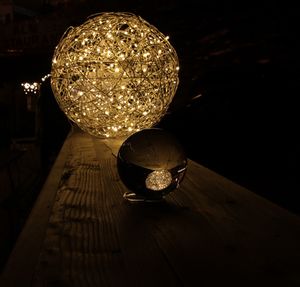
column 22, row 261
column 208, row 232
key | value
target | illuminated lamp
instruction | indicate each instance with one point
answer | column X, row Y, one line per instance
column 114, row 75
column 32, row 91
column 30, row 87
column 151, row 163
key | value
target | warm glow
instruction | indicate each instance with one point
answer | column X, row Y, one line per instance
column 45, row 77
column 114, row 75
column 33, row 87
column 158, row 180
column 30, row 87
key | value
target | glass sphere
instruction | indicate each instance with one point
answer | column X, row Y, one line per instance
column 151, row 163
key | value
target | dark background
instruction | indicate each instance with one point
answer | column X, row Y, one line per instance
column 235, row 110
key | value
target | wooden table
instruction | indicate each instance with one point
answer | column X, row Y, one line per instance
column 209, row 232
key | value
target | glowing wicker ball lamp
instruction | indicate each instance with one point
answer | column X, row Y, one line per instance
column 114, row 75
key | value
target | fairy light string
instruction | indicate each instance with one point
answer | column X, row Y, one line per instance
column 114, row 75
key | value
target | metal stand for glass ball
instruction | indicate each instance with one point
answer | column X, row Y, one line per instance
column 133, row 197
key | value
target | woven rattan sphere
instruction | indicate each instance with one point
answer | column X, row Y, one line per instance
column 114, row 75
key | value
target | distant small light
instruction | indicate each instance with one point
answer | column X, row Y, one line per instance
column 30, row 87
column 196, row 97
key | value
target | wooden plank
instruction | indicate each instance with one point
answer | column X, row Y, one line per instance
column 208, row 232
column 259, row 238
column 22, row 261
column 84, row 246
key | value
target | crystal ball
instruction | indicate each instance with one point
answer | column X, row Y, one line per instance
column 151, row 163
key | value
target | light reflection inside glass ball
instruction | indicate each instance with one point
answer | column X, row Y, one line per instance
column 151, row 163
column 158, row 179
